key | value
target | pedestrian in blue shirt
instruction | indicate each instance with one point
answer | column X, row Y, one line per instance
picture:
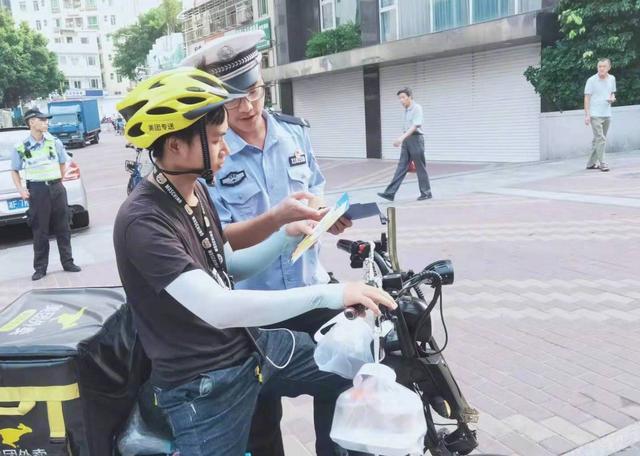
column 599, row 95
column 412, row 143
column 270, row 170
column 42, row 158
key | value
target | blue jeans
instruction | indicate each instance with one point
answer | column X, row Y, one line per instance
column 211, row 415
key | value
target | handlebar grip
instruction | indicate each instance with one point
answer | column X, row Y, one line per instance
column 344, row 244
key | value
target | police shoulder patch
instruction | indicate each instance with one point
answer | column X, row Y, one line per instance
column 233, row 178
column 290, row 119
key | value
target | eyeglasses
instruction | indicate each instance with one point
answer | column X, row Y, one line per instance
column 254, row 94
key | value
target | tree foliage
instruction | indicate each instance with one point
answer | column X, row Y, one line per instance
column 591, row 29
column 133, row 43
column 342, row 38
column 28, row 69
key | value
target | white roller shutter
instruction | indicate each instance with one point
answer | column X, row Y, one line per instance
column 334, row 106
column 477, row 107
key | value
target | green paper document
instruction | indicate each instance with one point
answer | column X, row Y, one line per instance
column 341, row 206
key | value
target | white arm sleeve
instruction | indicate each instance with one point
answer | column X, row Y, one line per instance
column 221, row 308
column 248, row 262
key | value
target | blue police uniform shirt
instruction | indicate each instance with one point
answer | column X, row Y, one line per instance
column 252, row 180
column 17, row 163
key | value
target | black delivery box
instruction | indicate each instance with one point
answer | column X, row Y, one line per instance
column 70, row 369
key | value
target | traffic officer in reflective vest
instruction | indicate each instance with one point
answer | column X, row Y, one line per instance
column 270, row 161
column 43, row 158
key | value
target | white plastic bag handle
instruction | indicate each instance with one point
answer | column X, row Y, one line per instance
column 320, row 333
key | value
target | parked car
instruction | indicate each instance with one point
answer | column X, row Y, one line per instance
column 13, row 208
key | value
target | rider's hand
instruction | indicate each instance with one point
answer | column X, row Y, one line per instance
column 292, row 209
column 342, row 224
column 301, row 228
column 24, row 194
column 370, row 297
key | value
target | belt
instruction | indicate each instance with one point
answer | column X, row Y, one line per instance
column 51, row 182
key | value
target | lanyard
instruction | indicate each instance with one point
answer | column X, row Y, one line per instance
column 205, row 233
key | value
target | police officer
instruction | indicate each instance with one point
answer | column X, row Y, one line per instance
column 43, row 158
column 270, row 168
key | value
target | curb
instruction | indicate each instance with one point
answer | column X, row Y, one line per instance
column 611, row 443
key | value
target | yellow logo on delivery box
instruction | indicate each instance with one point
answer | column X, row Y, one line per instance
column 17, row 321
column 11, row 436
column 70, row 320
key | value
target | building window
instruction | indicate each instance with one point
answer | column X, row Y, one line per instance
column 111, row 76
column 77, row 84
column 55, row 6
column 388, row 20
column 69, row 40
column 92, row 22
column 94, row 84
column 91, row 60
column 67, row 4
column 44, row 22
column 74, row 61
column 36, row 5
column 449, row 14
column 68, row 22
column 57, row 40
column 23, row 6
column 327, row 15
column 79, row 22
column 90, row 4
column 486, row 10
column 62, row 59
column 118, row 77
column 106, row 18
column 38, row 25
column 84, row 40
column 113, row 20
column 263, row 8
column 110, row 57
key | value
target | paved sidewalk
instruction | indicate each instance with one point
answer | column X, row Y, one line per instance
column 544, row 315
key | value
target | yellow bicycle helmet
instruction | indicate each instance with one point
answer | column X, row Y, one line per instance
column 171, row 101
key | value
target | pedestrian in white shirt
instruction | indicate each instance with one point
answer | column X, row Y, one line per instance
column 599, row 95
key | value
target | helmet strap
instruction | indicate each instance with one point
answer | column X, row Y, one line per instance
column 207, row 172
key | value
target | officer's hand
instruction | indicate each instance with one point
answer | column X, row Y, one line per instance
column 24, row 194
column 370, row 297
column 342, row 224
column 292, row 209
column 301, row 228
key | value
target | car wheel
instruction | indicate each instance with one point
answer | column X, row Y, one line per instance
column 96, row 139
column 80, row 219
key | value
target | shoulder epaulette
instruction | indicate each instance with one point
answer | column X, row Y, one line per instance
column 291, row 119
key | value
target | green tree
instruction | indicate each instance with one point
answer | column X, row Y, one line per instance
column 591, row 29
column 339, row 39
column 28, row 69
column 134, row 42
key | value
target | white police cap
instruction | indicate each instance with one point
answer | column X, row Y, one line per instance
column 232, row 58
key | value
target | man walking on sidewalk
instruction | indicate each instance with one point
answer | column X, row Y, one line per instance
column 412, row 142
column 599, row 94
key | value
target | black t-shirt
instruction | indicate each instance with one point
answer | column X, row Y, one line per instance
column 155, row 242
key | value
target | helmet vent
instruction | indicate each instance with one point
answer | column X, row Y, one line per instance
column 191, row 100
column 135, row 131
column 156, row 85
column 129, row 111
column 204, row 80
column 161, row 110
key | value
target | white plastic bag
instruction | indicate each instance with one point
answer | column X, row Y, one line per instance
column 378, row 415
column 346, row 347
